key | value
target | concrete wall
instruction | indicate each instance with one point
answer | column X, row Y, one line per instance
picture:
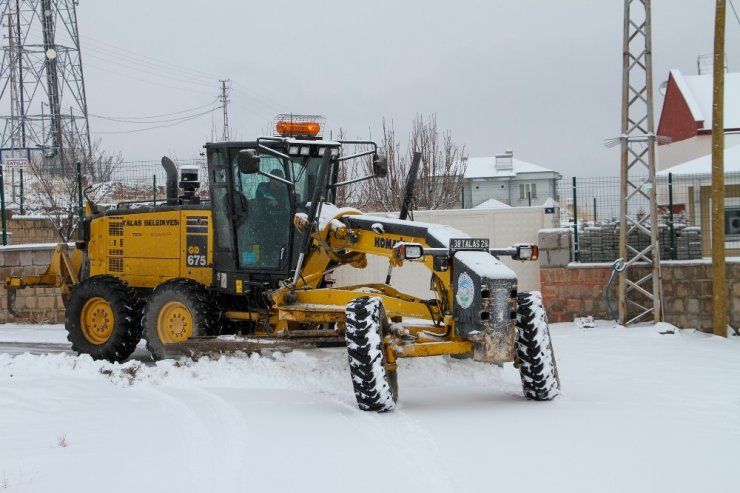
column 573, row 290
column 38, row 305
column 504, row 227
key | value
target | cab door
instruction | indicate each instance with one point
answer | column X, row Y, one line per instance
column 262, row 216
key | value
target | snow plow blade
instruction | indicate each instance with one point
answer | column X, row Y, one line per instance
column 62, row 272
column 217, row 346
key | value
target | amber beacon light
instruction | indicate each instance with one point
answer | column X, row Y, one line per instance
column 298, row 126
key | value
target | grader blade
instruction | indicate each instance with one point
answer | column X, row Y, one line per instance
column 217, row 346
column 62, row 272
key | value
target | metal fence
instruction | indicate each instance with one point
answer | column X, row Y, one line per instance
column 25, row 192
column 144, row 181
column 107, row 184
column 591, row 208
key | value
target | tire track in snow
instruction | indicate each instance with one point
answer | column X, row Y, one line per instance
column 432, row 463
column 398, row 434
column 202, row 432
column 232, row 424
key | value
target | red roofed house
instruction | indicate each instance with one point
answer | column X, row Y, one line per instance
column 686, row 118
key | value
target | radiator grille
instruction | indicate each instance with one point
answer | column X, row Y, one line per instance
column 115, row 264
column 115, row 228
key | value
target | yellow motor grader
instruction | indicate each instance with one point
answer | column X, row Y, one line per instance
column 250, row 268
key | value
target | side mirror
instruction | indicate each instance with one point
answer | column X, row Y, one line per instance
column 380, row 166
column 248, row 161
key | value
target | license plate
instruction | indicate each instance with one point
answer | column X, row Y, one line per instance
column 469, row 243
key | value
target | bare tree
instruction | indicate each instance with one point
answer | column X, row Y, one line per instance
column 443, row 166
column 441, row 173
column 54, row 187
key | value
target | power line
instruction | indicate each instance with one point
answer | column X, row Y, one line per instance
column 734, row 12
column 158, row 69
column 133, row 119
column 150, row 82
column 155, row 62
column 178, row 122
column 109, row 53
column 130, row 69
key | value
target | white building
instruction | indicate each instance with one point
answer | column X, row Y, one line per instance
column 508, row 180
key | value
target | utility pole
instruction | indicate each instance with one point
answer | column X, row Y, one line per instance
column 719, row 286
column 224, row 98
column 640, row 296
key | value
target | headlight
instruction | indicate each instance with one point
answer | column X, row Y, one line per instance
column 293, row 150
column 408, row 251
column 526, row 252
column 305, row 150
column 334, row 151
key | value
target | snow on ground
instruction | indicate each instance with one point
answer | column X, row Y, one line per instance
column 640, row 411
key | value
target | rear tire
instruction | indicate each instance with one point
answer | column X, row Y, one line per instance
column 176, row 311
column 537, row 367
column 102, row 319
column 376, row 387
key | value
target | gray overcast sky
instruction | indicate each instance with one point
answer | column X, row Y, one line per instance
column 540, row 78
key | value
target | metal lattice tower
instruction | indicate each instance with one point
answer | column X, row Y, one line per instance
column 41, row 80
column 639, row 290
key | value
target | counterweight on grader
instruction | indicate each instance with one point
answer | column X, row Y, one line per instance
column 248, row 269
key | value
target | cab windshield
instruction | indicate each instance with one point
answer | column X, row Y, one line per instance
column 304, row 172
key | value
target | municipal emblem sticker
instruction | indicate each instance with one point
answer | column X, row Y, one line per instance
column 465, row 291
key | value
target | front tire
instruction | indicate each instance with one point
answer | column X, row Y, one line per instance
column 176, row 311
column 375, row 386
column 102, row 319
column 537, row 367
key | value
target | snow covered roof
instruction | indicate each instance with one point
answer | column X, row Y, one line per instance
column 485, row 167
column 492, row 204
column 697, row 92
column 703, row 165
column 550, row 202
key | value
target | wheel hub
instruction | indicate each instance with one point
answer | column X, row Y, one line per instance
column 174, row 323
column 97, row 320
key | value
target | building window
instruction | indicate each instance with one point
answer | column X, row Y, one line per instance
column 525, row 189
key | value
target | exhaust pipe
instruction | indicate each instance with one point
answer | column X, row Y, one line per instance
column 171, row 171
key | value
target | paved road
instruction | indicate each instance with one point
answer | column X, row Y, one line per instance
column 15, row 348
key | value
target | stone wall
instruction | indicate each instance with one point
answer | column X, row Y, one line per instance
column 38, row 305
column 573, row 290
column 30, row 229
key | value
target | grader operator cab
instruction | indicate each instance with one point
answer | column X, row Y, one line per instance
column 248, row 269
